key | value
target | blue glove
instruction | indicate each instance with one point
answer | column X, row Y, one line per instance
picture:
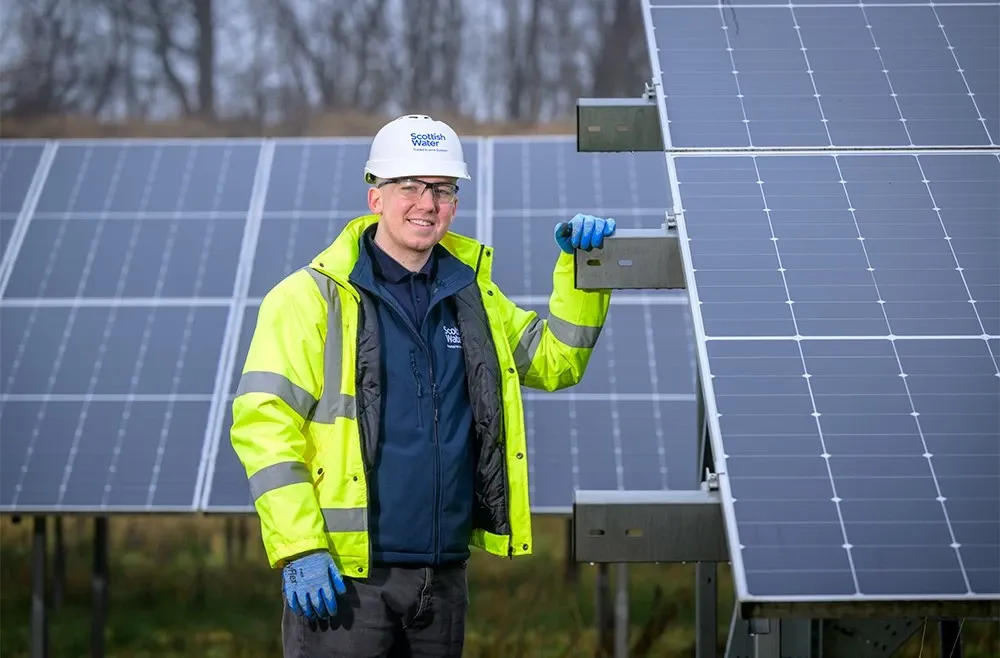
column 309, row 584
column 584, row 232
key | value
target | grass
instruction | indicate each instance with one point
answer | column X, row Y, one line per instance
column 174, row 592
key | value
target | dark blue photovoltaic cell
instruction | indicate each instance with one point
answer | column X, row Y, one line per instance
column 865, row 458
column 109, row 350
column 193, row 256
column 6, row 230
column 188, row 177
column 323, row 177
column 99, row 454
column 902, row 278
column 830, row 76
column 18, row 163
column 549, row 174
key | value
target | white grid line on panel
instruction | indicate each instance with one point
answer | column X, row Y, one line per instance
column 708, row 397
column 951, row 248
column 812, row 397
column 113, row 302
column 28, row 207
column 199, row 279
column 139, row 214
column 526, row 394
column 230, row 341
column 546, row 213
column 122, row 279
column 654, row 380
column 572, row 396
column 961, row 72
column 889, row 337
column 609, row 344
column 63, row 344
column 906, row 385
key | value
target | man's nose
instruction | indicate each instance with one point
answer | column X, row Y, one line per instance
column 426, row 200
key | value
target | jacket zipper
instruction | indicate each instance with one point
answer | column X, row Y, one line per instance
column 437, row 455
column 420, row 389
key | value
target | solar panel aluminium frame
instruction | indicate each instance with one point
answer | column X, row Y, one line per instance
column 750, row 605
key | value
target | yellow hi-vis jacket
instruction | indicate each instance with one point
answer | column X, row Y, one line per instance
column 306, row 413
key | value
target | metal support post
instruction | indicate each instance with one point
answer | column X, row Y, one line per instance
column 951, row 638
column 621, row 611
column 58, row 566
column 706, row 615
column 766, row 635
column 99, row 587
column 602, row 605
column 39, row 619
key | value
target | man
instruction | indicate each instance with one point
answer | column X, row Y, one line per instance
column 379, row 413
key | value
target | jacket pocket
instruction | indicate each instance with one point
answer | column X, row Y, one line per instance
column 419, row 388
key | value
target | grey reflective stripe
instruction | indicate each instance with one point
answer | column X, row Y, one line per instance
column 352, row 519
column 332, row 403
column 525, row 349
column 276, row 476
column 296, row 397
column 574, row 335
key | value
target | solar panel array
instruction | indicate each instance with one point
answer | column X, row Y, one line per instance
column 837, row 173
column 130, row 283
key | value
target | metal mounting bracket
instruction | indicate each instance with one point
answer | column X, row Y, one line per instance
column 649, row 526
column 633, row 259
column 618, row 124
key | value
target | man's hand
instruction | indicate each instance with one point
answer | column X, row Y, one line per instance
column 309, row 585
column 583, row 232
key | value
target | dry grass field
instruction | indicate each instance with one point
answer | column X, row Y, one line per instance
column 176, row 591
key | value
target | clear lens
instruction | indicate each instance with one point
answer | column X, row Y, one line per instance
column 412, row 190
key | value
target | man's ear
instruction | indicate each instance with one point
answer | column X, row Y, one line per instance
column 375, row 200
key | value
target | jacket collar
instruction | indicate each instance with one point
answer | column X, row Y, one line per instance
column 340, row 259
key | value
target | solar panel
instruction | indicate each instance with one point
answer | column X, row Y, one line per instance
column 113, row 317
column 629, row 423
column 854, row 381
column 846, row 303
column 749, row 74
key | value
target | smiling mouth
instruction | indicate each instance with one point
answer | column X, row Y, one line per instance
column 422, row 223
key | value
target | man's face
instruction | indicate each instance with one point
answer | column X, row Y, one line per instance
column 415, row 215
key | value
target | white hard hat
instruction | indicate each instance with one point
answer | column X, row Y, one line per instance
column 415, row 145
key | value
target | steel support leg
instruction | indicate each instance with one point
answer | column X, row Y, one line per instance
column 951, row 638
column 39, row 619
column 706, row 616
column 99, row 587
column 621, row 611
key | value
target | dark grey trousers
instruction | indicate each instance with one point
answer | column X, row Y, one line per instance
column 394, row 613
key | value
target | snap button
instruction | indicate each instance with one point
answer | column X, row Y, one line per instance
column 510, row 370
column 520, row 455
